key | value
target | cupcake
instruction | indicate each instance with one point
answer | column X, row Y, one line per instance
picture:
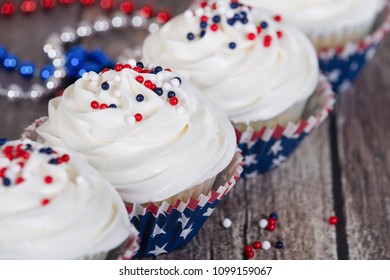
column 53, row 205
column 345, row 33
column 166, row 149
column 261, row 72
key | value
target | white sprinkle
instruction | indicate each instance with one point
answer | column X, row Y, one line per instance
column 175, row 83
column 263, row 223
column 85, row 76
column 130, row 120
column 166, row 86
column 199, row 12
column 266, row 245
column 227, row 223
column 117, row 93
column 181, row 110
column 160, row 76
column 150, row 66
column 132, row 62
column 94, row 76
column 188, row 14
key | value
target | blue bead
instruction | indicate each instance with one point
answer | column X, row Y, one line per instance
column 264, row 24
column 113, row 106
column 203, row 24
column 139, row 98
column 237, row 17
column 6, row 182
column 244, row 20
column 10, row 62
column 27, row 70
column 105, row 86
column 216, row 19
column 279, row 245
column 190, row 36
column 171, row 94
column 47, row 71
column 244, row 14
column 202, row 33
column 3, row 53
column 234, row 5
column 140, row 65
column 231, row 21
column 178, row 79
column 158, row 69
column 159, row 91
column 42, row 151
column 232, row 45
column 53, row 161
column 273, row 216
column 28, row 147
column 3, row 141
column 49, row 151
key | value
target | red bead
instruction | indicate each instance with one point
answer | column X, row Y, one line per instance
column 271, row 227
column 94, row 104
column 25, row 155
column 148, row 84
column 107, row 4
column 203, row 4
column 333, row 220
column 163, row 17
column 214, row 6
column 8, row 9
column 103, row 106
column 137, row 69
column 267, row 41
column 146, row 11
column 248, row 248
column 19, row 180
column 48, row 4
column 59, row 160
column 249, row 254
column 48, row 179
column 126, row 66
column 259, row 29
column 257, row 245
column 204, row 18
column 173, row 101
column 277, row 18
column 280, row 34
column 214, row 27
column 105, row 70
column 28, row 6
column 65, row 157
column 271, row 221
column 251, row 36
column 87, row 2
column 153, row 87
column 45, row 202
column 118, row 67
column 139, row 79
column 2, row 172
column 138, row 117
column 126, row 7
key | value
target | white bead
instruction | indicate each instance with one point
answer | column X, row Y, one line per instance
column 199, row 12
column 266, row 245
column 160, row 76
column 227, row 223
column 263, row 223
column 150, row 66
column 130, row 120
column 85, row 76
column 132, row 62
column 175, row 83
column 166, row 86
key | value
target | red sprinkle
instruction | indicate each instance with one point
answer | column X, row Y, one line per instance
column 59, row 160
column 19, row 180
column 271, row 221
column 280, row 34
column 45, row 202
column 259, row 29
column 278, row 18
column 257, row 245
column 118, row 67
column 138, row 117
column 65, row 157
column 2, row 172
column 251, row 36
column 267, row 41
column 127, row 66
column 105, row 70
column 173, row 101
column 148, row 84
column 214, row 27
column 137, row 69
column 94, row 104
column 333, row 220
column 103, row 106
column 271, row 227
column 48, row 179
column 204, row 18
column 139, row 79
column 249, row 254
column 248, row 248
column 167, row 69
column 203, row 4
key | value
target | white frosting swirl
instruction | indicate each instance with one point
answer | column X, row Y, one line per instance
column 319, row 16
column 172, row 148
column 250, row 82
column 73, row 215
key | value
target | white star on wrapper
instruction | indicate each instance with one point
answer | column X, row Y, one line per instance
column 185, row 232
column 334, row 76
column 208, row 212
column 250, row 144
column 183, row 220
column 278, row 161
column 253, row 174
column 370, row 54
column 249, row 160
column 276, row 148
column 158, row 250
column 345, row 86
column 157, row 230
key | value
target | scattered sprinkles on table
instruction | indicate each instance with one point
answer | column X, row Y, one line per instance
column 215, row 15
column 14, row 159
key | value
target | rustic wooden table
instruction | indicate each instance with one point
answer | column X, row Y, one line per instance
column 342, row 169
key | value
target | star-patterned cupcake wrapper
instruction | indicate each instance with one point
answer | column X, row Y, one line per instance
column 168, row 227
column 267, row 148
column 343, row 65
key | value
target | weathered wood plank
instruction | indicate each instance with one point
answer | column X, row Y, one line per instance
column 364, row 141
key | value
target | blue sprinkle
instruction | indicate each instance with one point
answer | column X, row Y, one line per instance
column 158, row 69
column 231, row 21
column 264, row 24
column 6, row 181
column 53, row 161
column 190, row 36
column 244, row 14
column 237, row 17
column 42, row 151
column 244, row 20
column 139, row 98
column 113, row 106
column 234, row 5
column 232, row 45
column 28, row 147
column 49, row 151
column 273, row 216
column 105, row 86
column 3, row 141
column 140, row 64
column 216, row 19
column 171, row 94
column 279, row 245
column 203, row 24
column 159, row 91
column 202, row 33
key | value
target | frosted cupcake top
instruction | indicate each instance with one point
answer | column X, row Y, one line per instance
column 145, row 129
column 253, row 69
column 314, row 16
column 53, row 205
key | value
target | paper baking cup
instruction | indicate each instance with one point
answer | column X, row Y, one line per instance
column 266, row 148
column 342, row 65
column 167, row 227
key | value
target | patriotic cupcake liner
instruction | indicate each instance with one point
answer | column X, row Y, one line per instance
column 167, row 227
column 342, row 65
column 267, row 148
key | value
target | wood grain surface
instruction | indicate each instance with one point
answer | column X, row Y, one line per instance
column 342, row 168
